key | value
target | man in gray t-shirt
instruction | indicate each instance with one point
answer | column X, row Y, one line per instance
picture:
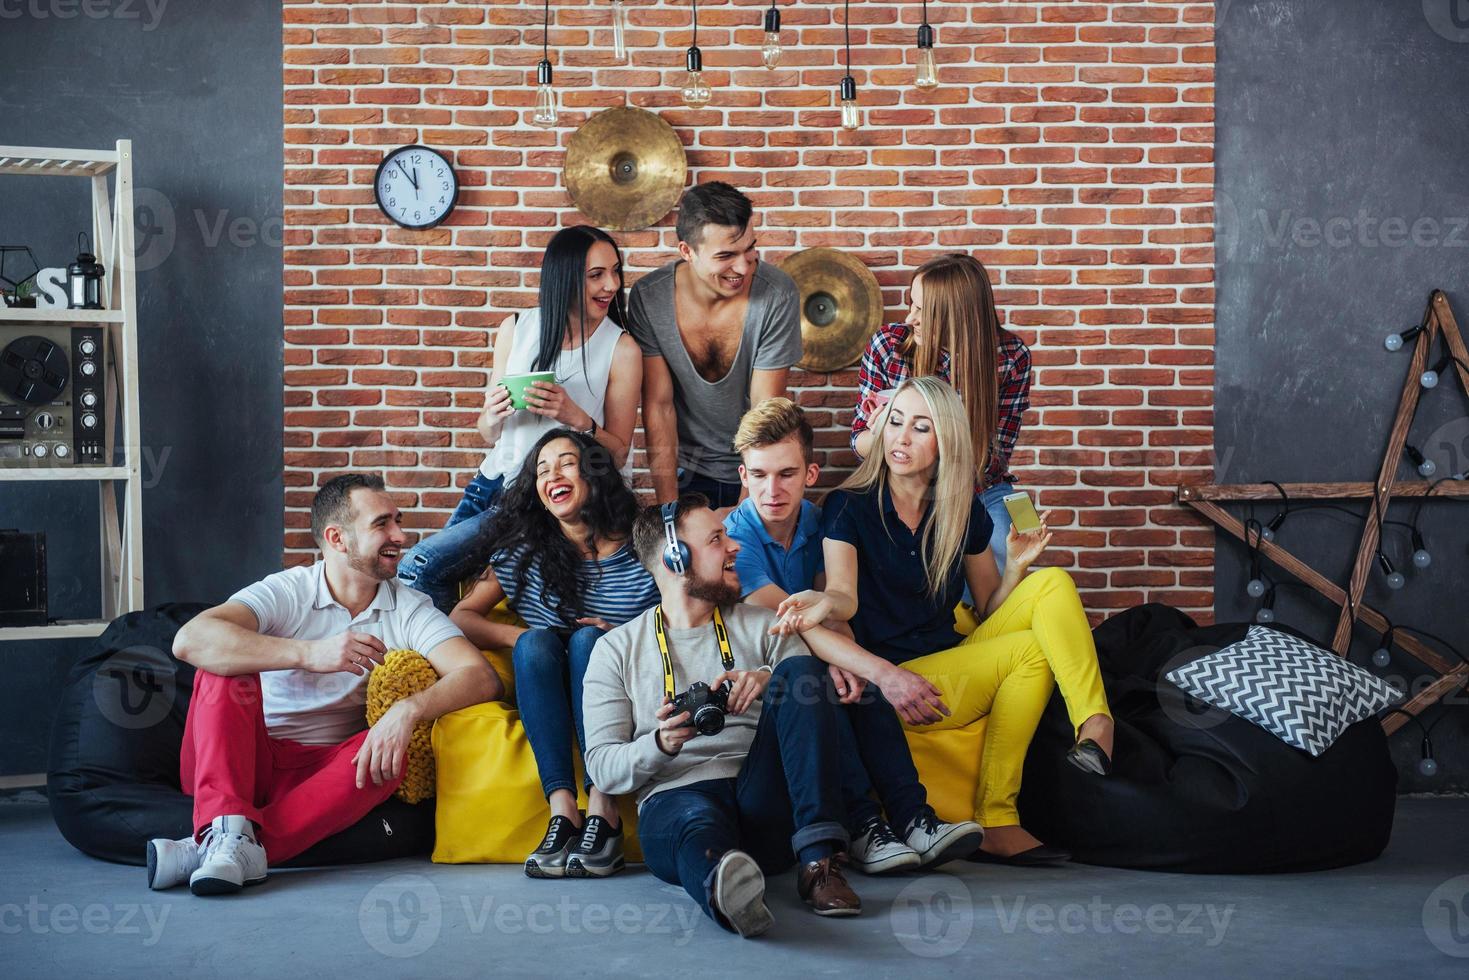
column 720, row 331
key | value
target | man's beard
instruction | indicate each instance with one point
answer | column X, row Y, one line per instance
column 711, row 590
column 369, row 563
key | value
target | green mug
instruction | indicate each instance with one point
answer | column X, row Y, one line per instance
column 516, row 384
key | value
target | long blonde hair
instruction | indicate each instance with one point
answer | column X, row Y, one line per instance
column 952, row 484
column 959, row 316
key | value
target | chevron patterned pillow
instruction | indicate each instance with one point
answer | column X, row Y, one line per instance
column 1294, row 689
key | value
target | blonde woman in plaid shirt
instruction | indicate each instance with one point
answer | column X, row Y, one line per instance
column 953, row 331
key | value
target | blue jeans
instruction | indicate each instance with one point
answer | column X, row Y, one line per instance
column 786, row 799
column 438, row 563
column 720, row 494
column 994, row 503
column 875, row 755
column 548, row 679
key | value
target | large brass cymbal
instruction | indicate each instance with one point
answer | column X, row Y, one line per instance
column 841, row 307
column 625, row 168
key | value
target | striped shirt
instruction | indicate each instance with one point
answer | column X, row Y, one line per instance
column 616, row 588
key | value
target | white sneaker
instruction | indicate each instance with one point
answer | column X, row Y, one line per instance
column 937, row 842
column 877, row 850
column 170, row 862
column 229, row 858
column 739, row 894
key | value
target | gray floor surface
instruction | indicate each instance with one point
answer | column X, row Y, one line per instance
column 1404, row 915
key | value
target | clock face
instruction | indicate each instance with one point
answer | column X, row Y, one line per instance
column 416, row 187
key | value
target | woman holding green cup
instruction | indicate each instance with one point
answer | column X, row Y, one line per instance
column 565, row 363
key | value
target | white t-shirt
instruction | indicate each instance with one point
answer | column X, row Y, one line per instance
column 327, row 709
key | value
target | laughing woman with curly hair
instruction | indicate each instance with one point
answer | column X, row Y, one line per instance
column 561, row 559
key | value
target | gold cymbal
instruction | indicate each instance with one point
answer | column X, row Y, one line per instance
column 625, row 168
column 841, row 307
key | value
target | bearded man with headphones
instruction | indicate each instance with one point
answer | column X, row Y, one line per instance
column 726, row 734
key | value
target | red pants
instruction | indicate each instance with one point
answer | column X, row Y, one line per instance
column 296, row 794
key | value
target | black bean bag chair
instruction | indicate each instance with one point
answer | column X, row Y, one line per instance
column 113, row 773
column 1195, row 789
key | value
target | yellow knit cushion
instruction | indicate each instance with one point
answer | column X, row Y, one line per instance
column 404, row 673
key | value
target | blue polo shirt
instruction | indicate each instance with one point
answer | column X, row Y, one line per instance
column 896, row 617
column 763, row 562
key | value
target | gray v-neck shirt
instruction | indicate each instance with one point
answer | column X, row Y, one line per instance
column 709, row 412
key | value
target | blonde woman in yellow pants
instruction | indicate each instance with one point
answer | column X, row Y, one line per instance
column 904, row 535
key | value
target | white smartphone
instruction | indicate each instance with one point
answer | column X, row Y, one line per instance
column 1022, row 512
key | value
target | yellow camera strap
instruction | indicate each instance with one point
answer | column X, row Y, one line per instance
column 726, row 655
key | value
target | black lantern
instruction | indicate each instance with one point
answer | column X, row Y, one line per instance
column 84, row 278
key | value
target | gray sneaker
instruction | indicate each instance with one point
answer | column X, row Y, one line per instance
column 937, row 842
column 599, row 852
column 738, row 894
column 549, row 860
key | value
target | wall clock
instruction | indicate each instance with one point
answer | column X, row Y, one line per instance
column 416, row 187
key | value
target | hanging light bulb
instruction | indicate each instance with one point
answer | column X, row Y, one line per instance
column 545, row 111
column 1255, row 588
column 1266, row 612
column 1421, row 556
column 545, row 115
column 619, row 31
column 770, row 50
column 695, row 90
column 927, row 74
column 851, row 115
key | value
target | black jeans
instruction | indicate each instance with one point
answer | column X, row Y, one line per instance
column 720, row 494
column 875, row 755
column 787, row 796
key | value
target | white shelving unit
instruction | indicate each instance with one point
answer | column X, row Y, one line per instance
column 121, row 524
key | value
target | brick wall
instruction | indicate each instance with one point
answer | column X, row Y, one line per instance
column 1069, row 146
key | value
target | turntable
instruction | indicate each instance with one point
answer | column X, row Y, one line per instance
column 53, row 407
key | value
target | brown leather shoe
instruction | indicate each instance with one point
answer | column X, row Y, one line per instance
column 822, row 886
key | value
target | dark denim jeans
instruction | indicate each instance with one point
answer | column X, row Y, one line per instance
column 875, row 754
column 720, row 494
column 548, row 681
column 438, row 563
column 787, row 796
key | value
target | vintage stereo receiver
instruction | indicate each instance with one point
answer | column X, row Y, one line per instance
column 53, row 392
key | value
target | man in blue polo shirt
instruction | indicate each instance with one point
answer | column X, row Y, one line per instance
column 779, row 533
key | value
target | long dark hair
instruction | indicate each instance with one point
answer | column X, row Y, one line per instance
column 522, row 527
column 563, row 286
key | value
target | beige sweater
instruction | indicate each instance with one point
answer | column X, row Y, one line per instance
column 624, row 689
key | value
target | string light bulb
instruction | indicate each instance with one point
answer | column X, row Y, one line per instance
column 1426, row 467
column 545, row 114
column 927, row 73
column 1266, row 612
column 770, row 51
column 1430, row 377
column 1395, row 579
column 619, row 31
column 1395, row 341
column 696, row 93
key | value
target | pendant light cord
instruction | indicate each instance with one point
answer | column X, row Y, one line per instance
column 695, row 42
column 847, row 31
column 545, row 28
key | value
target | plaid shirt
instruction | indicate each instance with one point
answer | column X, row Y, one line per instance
column 884, row 366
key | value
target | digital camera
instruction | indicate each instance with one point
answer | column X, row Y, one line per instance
column 706, row 706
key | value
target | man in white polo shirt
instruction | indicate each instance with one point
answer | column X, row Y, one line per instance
column 277, row 753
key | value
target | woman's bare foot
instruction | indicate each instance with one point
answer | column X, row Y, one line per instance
column 1008, row 841
column 1100, row 729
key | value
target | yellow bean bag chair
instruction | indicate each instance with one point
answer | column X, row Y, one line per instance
column 490, row 807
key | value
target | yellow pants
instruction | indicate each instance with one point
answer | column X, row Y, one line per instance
column 1038, row 639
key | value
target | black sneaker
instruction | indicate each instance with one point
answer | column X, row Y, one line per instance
column 549, row 860
column 599, row 852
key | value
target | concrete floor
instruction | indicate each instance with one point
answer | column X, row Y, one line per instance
column 1406, row 914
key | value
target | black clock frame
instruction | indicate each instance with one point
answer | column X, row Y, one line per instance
column 377, row 194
